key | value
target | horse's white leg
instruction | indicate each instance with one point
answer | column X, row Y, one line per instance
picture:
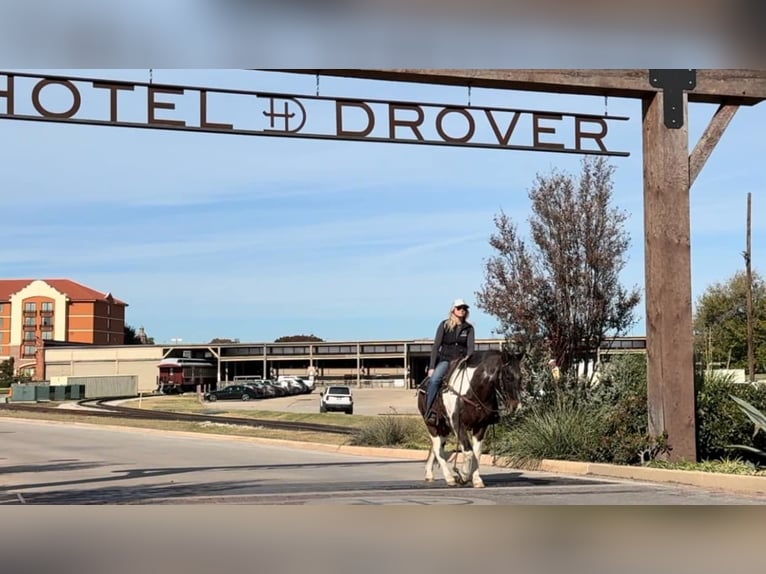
column 438, row 449
column 465, row 469
column 475, row 478
column 430, row 466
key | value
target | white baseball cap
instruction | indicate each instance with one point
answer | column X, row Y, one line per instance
column 459, row 303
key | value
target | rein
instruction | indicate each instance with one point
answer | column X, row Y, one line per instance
column 476, row 402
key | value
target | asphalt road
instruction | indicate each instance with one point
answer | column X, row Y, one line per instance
column 55, row 464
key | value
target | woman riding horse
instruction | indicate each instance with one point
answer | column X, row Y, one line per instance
column 487, row 383
column 454, row 340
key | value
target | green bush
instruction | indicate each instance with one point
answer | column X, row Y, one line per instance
column 721, row 423
column 621, row 391
column 392, row 430
column 601, row 422
column 565, row 430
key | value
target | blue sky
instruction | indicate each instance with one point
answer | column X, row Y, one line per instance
column 254, row 238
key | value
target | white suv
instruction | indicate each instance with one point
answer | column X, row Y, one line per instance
column 336, row 398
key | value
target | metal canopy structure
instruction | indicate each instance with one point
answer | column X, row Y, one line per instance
column 669, row 171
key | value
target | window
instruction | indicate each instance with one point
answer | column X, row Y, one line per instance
column 487, row 346
column 2, row 307
column 382, row 348
column 47, row 321
column 29, row 335
column 30, row 307
column 108, row 325
column 108, row 309
column 420, row 348
column 47, row 307
column 336, row 350
column 288, row 350
column 47, row 335
column 29, row 321
column 2, row 322
column 29, row 350
column 242, row 351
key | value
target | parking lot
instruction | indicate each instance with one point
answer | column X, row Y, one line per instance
column 366, row 402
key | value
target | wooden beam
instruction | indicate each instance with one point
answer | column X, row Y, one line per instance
column 669, row 338
column 745, row 87
column 710, row 139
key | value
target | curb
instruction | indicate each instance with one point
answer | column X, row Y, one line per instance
column 709, row 480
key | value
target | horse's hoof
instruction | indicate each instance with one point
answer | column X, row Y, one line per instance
column 429, row 479
column 478, row 484
column 451, row 483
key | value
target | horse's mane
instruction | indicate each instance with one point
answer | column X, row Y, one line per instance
column 479, row 357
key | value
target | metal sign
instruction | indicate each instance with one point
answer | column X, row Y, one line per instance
column 92, row 101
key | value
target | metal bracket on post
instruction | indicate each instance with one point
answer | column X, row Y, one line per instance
column 673, row 82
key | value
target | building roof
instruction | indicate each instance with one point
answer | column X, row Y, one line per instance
column 72, row 289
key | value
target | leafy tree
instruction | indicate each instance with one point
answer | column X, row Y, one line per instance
column 720, row 323
column 136, row 338
column 561, row 291
column 299, row 339
column 6, row 373
column 222, row 341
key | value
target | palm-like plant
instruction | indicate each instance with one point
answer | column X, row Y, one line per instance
column 758, row 419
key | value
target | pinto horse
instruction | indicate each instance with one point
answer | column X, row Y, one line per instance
column 473, row 396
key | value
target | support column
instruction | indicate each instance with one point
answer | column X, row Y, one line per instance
column 669, row 336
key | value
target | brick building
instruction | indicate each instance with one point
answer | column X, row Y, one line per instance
column 34, row 311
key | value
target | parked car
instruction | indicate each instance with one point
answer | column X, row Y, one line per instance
column 336, row 398
column 267, row 388
column 232, row 392
column 296, row 387
column 279, row 390
column 259, row 388
column 306, row 384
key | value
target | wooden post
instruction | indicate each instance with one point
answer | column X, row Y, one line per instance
column 669, row 337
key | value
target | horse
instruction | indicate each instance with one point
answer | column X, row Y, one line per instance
column 473, row 395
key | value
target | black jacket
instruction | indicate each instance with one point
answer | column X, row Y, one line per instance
column 454, row 344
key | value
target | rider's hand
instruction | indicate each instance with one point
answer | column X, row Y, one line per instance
column 430, row 372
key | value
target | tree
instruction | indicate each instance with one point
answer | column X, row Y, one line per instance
column 720, row 323
column 6, row 373
column 299, row 339
column 561, row 291
column 136, row 338
column 222, row 341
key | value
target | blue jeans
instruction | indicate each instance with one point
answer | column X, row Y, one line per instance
column 435, row 383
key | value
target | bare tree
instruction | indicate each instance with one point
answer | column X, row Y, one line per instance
column 562, row 291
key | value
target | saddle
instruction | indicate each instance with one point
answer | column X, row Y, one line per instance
column 453, row 366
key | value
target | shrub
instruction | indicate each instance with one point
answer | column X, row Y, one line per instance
column 602, row 422
column 392, row 430
column 566, row 430
column 621, row 391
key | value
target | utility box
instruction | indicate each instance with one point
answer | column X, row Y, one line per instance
column 42, row 393
column 58, row 393
column 22, row 393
